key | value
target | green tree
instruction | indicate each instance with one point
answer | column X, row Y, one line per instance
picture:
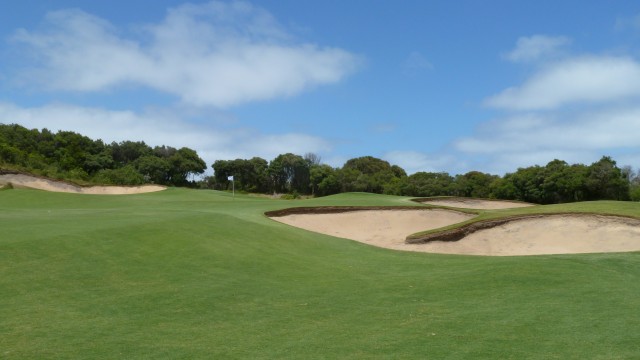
column 249, row 175
column 563, row 182
column 323, row 180
column 474, row 184
column 605, row 180
column 527, row 183
column 126, row 175
column 127, row 152
column 153, row 169
column 183, row 163
column 368, row 174
column 289, row 173
column 426, row 184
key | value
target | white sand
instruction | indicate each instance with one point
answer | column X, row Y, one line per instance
column 483, row 204
column 554, row 234
column 383, row 228
column 32, row 182
column 559, row 234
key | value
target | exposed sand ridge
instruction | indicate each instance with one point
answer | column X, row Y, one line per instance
column 40, row 183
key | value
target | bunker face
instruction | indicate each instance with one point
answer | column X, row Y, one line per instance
column 468, row 203
column 553, row 234
column 559, row 234
column 383, row 228
column 32, row 182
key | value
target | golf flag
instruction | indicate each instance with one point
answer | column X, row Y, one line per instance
column 230, row 178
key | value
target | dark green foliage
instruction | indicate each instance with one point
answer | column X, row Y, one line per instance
column 368, row 174
column 249, row 175
column 68, row 155
column 183, row 163
column 559, row 182
column 127, row 152
column 153, row 168
column 126, row 175
column 605, row 180
column 324, row 180
column 474, row 184
column 288, row 173
column 426, row 184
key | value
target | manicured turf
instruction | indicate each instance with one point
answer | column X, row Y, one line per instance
column 197, row 274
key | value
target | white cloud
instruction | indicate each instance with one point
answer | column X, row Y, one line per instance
column 415, row 161
column 577, row 80
column 416, row 62
column 163, row 128
column 214, row 53
column 529, row 139
column 536, row 47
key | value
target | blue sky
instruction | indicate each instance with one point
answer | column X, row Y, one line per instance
column 428, row 85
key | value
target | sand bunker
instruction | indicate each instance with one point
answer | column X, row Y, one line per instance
column 383, row 228
column 551, row 234
column 529, row 235
column 33, row 182
column 469, row 203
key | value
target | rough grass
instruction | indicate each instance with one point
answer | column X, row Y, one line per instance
column 196, row 274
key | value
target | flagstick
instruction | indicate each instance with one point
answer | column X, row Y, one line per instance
column 233, row 185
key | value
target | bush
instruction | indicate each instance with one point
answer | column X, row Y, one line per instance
column 292, row 196
column 126, row 175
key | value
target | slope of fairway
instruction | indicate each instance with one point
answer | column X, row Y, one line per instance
column 197, row 274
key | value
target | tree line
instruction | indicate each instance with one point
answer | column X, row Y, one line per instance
column 71, row 156
column 68, row 155
column 557, row 182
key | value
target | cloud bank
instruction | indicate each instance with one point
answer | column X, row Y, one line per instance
column 212, row 54
column 583, row 79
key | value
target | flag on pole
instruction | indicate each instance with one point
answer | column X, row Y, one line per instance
column 233, row 186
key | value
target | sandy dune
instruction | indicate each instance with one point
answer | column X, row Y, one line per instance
column 32, row 182
column 553, row 234
column 469, row 203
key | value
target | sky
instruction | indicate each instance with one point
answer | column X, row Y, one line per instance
column 433, row 86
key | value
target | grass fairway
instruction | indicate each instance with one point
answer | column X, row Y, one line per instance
column 196, row 274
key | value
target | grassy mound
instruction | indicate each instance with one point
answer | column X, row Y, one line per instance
column 197, row 274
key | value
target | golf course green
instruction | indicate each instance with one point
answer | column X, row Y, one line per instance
column 201, row 274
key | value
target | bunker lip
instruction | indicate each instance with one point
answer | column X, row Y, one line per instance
column 472, row 203
column 29, row 181
column 310, row 210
